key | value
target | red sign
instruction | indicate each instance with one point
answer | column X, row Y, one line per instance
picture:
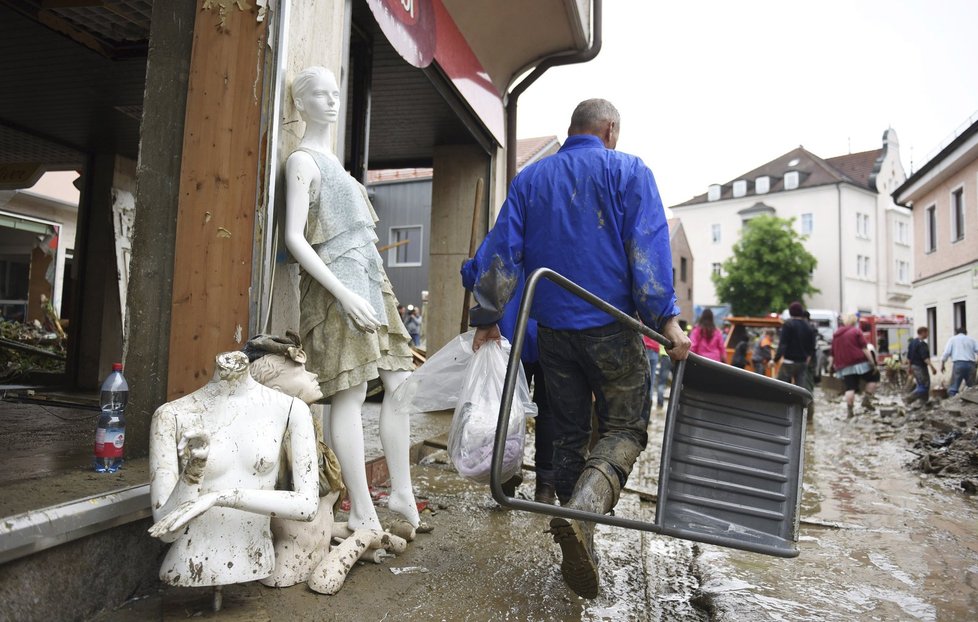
column 422, row 31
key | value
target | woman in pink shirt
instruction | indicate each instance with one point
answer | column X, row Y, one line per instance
column 706, row 340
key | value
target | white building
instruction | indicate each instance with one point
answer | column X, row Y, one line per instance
column 861, row 238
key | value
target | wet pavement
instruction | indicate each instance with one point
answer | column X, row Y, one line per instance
column 878, row 542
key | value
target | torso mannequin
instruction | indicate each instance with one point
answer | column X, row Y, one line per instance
column 346, row 300
column 214, row 455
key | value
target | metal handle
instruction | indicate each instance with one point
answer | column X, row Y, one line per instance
column 509, row 388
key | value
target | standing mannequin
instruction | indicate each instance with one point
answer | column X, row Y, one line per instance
column 345, row 301
column 214, row 456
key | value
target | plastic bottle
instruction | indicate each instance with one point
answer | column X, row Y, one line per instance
column 110, row 435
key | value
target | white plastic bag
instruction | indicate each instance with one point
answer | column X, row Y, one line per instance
column 473, row 430
column 435, row 385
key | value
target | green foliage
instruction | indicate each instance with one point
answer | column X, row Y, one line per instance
column 769, row 269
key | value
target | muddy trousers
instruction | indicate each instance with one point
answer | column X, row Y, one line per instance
column 607, row 366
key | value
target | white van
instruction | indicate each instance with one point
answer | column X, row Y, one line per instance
column 826, row 320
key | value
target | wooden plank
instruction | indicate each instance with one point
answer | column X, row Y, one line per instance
column 218, row 181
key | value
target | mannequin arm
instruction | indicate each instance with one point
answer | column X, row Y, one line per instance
column 300, row 171
column 169, row 487
column 300, row 504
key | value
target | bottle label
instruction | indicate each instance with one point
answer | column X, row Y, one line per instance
column 109, row 442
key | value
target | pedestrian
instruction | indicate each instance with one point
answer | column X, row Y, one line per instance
column 961, row 349
column 706, row 340
column 796, row 346
column 605, row 206
column 662, row 379
column 413, row 324
column 739, row 359
column 854, row 362
column 918, row 356
column 763, row 352
column 652, row 353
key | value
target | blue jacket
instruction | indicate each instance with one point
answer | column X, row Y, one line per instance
column 592, row 215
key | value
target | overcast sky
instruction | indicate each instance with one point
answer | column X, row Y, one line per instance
column 709, row 90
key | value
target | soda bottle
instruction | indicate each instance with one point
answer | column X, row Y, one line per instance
column 110, row 435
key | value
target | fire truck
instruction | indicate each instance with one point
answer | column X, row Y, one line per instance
column 888, row 335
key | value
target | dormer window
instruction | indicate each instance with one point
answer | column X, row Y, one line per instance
column 791, row 180
column 739, row 188
column 762, row 185
column 713, row 194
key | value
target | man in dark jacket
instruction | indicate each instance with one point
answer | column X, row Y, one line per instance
column 796, row 346
column 918, row 355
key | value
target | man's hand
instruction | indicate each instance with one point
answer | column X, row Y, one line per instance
column 680, row 341
column 485, row 334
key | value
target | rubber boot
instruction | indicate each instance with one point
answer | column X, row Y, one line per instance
column 594, row 492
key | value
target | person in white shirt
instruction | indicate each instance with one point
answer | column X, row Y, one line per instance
column 962, row 350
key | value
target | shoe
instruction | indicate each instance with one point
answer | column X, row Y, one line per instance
column 849, row 411
column 869, row 403
column 578, row 565
column 545, row 493
column 594, row 492
column 510, row 485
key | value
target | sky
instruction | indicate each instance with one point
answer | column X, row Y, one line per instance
column 709, row 90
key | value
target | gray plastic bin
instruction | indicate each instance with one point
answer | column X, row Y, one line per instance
column 731, row 451
column 732, row 458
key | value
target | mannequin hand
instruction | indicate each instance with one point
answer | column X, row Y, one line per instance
column 485, row 334
column 359, row 311
column 184, row 513
column 193, row 448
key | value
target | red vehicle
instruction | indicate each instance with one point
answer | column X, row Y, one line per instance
column 888, row 335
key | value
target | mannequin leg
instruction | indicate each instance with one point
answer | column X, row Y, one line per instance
column 346, row 433
column 395, row 436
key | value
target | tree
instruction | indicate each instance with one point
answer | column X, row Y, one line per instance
column 769, row 268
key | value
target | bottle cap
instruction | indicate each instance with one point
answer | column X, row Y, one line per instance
column 116, row 366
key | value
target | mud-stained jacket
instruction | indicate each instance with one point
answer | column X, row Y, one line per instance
column 592, row 215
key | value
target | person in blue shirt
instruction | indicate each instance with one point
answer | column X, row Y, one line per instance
column 593, row 215
column 962, row 350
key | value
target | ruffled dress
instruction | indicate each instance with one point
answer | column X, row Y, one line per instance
column 340, row 228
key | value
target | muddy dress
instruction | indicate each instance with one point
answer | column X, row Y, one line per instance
column 340, row 228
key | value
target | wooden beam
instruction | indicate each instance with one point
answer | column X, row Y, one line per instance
column 218, row 182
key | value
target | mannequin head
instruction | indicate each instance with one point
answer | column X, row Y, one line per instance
column 281, row 373
column 279, row 363
column 316, row 95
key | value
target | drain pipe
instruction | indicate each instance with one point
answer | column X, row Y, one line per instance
column 551, row 61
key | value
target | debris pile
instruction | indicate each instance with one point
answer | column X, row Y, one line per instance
column 29, row 348
column 946, row 440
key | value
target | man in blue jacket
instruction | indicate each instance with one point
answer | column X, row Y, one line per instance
column 593, row 215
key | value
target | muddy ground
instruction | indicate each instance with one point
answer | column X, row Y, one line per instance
column 879, row 540
column 944, row 437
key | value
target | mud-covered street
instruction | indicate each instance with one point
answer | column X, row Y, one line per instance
column 878, row 541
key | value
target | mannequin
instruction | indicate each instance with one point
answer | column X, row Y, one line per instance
column 214, row 456
column 345, row 301
column 302, row 549
column 299, row 546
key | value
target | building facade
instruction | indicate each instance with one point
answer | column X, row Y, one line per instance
column 843, row 208
column 943, row 196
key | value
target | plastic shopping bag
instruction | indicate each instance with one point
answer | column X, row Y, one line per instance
column 473, row 430
column 435, row 385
